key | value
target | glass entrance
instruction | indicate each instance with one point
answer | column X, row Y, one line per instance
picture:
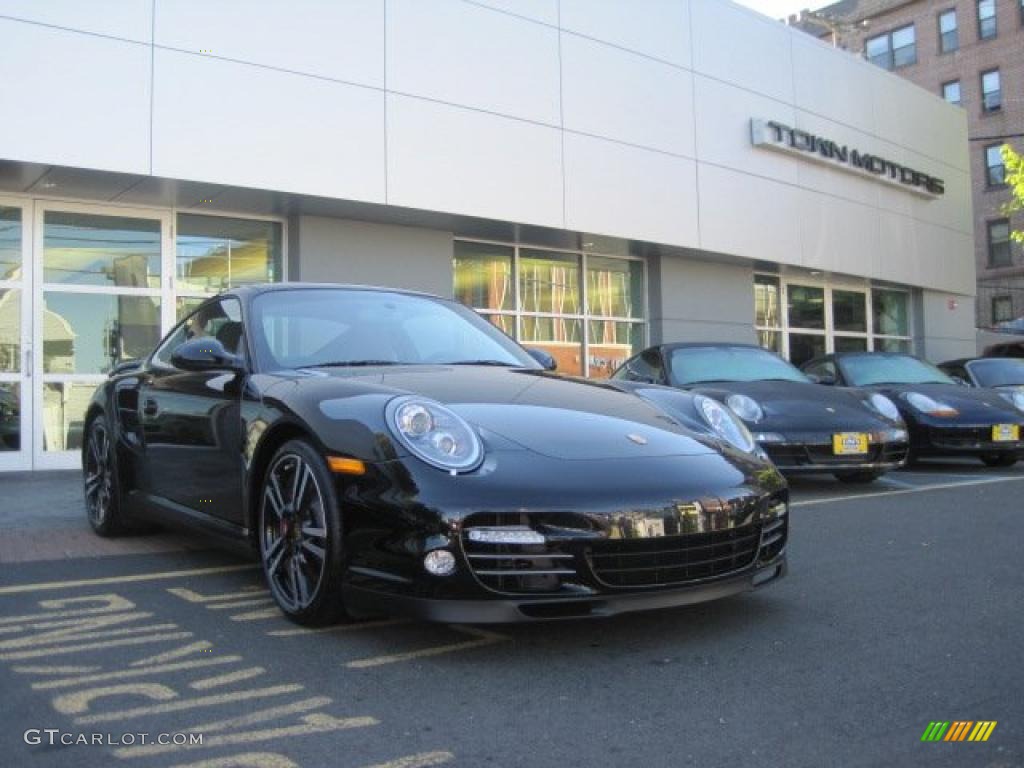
column 98, row 303
column 15, row 339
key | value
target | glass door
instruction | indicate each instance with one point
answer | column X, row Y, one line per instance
column 15, row 336
column 100, row 276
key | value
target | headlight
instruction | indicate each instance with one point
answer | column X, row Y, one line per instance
column 925, row 404
column 745, row 407
column 1016, row 397
column 435, row 434
column 725, row 423
column 884, row 406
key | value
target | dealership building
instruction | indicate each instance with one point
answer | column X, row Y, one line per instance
column 592, row 175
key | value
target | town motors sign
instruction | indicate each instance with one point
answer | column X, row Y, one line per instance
column 773, row 135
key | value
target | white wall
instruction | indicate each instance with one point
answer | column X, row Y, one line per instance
column 627, row 118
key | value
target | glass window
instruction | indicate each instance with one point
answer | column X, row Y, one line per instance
column 646, row 367
column 90, row 333
column 88, row 249
column 560, row 337
column 999, row 254
column 998, row 372
column 806, row 308
column 483, row 276
column 10, row 330
column 771, row 340
column 549, row 282
column 614, row 287
column 867, row 370
column 10, row 243
column 805, row 346
column 766, row 302
column 849, row 311
column 904, row 47
column 851, row 344
column 610, row 344
column 220, row 319
column 991, row 91
column 986, row 19
column 892, row 345
column 1002, row 311
column 10, row 416
column 186, row 305
column 215, row 253
column 877, row 51
column 995, row 171
column 695, row 365
column 64, row 405
column 951, row 92
column 890, row 312
column 949, row 35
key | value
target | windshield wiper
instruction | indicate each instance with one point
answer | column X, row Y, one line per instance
column 501, row 363
column 355, row 363
column 709, row 381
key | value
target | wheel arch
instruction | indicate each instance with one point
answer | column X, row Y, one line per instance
column 276, row 436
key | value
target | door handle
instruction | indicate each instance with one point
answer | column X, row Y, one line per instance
column 150, row 408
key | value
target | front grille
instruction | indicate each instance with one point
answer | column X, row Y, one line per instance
column 966, row 437
column 773, row 538
column 673, row 559
column 824, row 456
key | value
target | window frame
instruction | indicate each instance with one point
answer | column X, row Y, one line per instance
column 585, row 316
column 985, row 108
column 991, row 244
column 994, row 19
column 890, row 63
column 1002, row 298
column 989, row 183
column 154, row 360
column 960, row 92
column 955, row 31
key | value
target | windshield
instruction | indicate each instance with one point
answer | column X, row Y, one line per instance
column 305, row 328
column 998, row 373
column 866, row 370
column 696, row 365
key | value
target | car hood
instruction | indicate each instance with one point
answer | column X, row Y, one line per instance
column 549, row 414
column 973, row 403
column 803, row 406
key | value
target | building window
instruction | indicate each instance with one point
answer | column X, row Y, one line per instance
column 986, row 19
column 995, row 171
column 991, row 91
column 215, row 253
column 821, row 319
column 586, row 310
column 1002, row 309
column 893, row 49
column 999, row 243
column 951, row 92
column 949, row 34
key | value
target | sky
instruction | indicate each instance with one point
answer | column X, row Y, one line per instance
column 778, row 9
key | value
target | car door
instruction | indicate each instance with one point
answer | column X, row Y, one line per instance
column 191, row 421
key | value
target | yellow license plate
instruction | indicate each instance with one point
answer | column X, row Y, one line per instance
column 849, row 444
column 1005, row 433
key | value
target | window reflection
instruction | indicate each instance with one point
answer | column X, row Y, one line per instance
column 890, row 311
column 549, row 282
column 614, row 287
column 483, row 276
column 806, row 307
column 766, row 301
column 560, row 337
column 85, row 249
column 10, row 243
column 64, row 405
column 849, row 311
column 215, row 253
column 91, row 333
column 804, row 347
column 10, row 330
column 610, row 344
column 10, row 416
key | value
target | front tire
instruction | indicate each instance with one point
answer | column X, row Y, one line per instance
column 999, row 459
column 859, row 478
column 300, row 536
column 100, row 486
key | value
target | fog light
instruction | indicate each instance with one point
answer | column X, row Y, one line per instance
column 778, row 509
column 440, row 562
column 769, row 437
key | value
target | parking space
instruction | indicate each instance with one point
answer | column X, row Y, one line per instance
column 902, row 607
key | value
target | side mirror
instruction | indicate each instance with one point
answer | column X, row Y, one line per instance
column 547, row 361
column 205, row 354
column 961, row 381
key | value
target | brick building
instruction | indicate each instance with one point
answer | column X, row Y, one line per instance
column 971, row 52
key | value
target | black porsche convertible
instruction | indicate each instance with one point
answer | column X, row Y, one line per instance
column 392, row 451
column 945, row 418
column 803, row 426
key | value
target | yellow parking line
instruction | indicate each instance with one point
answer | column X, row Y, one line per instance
column 422, row 760
column 231, row 677
column 337, row 628
column 484, row 637
column 125, row 674
column 50, row 585
column 177, row 653
column 35, row 653
column 246, row 593
column 268, row 613
column 240, row 604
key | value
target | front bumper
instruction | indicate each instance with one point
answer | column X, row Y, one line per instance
column 962, row 440
column 525, row 609
column 813, row 453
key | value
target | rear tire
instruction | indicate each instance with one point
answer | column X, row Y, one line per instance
column 998, row 459
column 300, row 536
column 100, row 482
column 859, row 478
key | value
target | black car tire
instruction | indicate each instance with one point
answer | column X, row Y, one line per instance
column 100, row 479
column 998, row 459
column 859, row 478
column 300, row 544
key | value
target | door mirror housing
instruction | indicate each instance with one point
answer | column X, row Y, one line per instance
column 547, row 361
column 206, row 354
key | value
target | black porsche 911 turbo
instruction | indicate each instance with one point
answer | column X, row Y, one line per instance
column 802, row 426
column 945, row 418
column 992, row 372
column 387, row 451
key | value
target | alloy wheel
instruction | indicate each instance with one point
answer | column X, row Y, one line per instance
column 99, row 476
column 293, row 536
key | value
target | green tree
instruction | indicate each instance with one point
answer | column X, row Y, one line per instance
column 1014, row 163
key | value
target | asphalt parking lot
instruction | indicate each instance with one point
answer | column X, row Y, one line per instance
column 902, row 607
